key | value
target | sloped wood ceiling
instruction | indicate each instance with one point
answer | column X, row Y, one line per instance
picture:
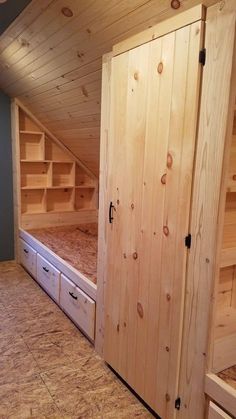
column 52, row 62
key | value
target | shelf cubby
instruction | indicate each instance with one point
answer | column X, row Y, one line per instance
column 82, row 178
column 231, row 186
column 33, row 201
column 60, row 200
column 51, row 179
column 54, row 153
column 63, row 174
column 224, row 354
column 31, row 146
column 84, row 198
column 36, row 175
column 225, row 339
column 228, row 252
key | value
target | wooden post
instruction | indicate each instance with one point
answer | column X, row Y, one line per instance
column 103, row 203
column 16, row 173
column 202, row 262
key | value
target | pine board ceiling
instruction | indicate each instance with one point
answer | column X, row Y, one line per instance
column 52, row 62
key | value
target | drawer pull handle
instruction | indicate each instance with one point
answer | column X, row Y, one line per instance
column 45, row 269
column 26, row 251
column 73, row 296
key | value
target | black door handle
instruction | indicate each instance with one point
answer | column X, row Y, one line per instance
column 73, row 296
column 111, row 218
column 45, row 269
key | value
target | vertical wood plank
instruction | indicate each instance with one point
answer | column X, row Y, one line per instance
column 103, row 203
column 16, row 173
column 201, row 269
column 132, row 206
column 117, row 165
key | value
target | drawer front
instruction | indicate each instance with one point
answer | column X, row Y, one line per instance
column 28, row 257
column 216, row 413
column 79, row 307
column 48, row 277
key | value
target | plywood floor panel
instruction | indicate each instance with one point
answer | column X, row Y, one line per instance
column 76, row 244
column 48, row 368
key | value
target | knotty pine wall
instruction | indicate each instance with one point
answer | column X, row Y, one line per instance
column 51, row 59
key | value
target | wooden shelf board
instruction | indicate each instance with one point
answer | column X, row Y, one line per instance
column 32, row 132
column 228, row 257
column 32, row 212
column 59, row 211
column 72, row 211
column 47, row 187
column 61, row 187
column 231, row 189
column 46, row 161
column 85, row 187
column 30, row 188
column 34, row 161
column 225, row 322
column 224, row 355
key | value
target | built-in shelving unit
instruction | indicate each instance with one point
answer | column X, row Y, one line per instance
column 228, row 255
column 225, row 326
column 51, row 180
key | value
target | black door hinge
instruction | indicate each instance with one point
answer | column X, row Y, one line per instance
column 178, row 403
column 188, row 240
column 202, row 56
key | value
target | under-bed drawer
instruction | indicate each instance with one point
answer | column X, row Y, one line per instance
column 48, row 277
column 216, row 413
column 28, row 257
column 79, row 307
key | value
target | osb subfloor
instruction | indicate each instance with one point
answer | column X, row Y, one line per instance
column 76, row 244
column 229, row 376
column 47, row 368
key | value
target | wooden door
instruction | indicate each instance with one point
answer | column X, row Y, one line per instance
column 153, row 117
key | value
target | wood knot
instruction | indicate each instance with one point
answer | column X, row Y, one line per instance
column 140, row 310
column 169, row 161
column 167, row 349
column 132, row 206
column 136, row 76
column 118, row 328
column 175, row 4
column 168, row 297
column 24, row 42
column 80, row 54
column 222, row 5
column 125, row 324
column 234, row 177
column 124, row 255
column 135, row 255
column 166, row 230
column 167, row 397
column 84, row 91
column 163, row 179
column 160, row 68
column 118, row 201
column 66, row 12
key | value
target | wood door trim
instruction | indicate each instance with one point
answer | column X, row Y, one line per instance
column 163, row 28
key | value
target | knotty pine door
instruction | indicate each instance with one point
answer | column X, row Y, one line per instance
column 153, row 117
